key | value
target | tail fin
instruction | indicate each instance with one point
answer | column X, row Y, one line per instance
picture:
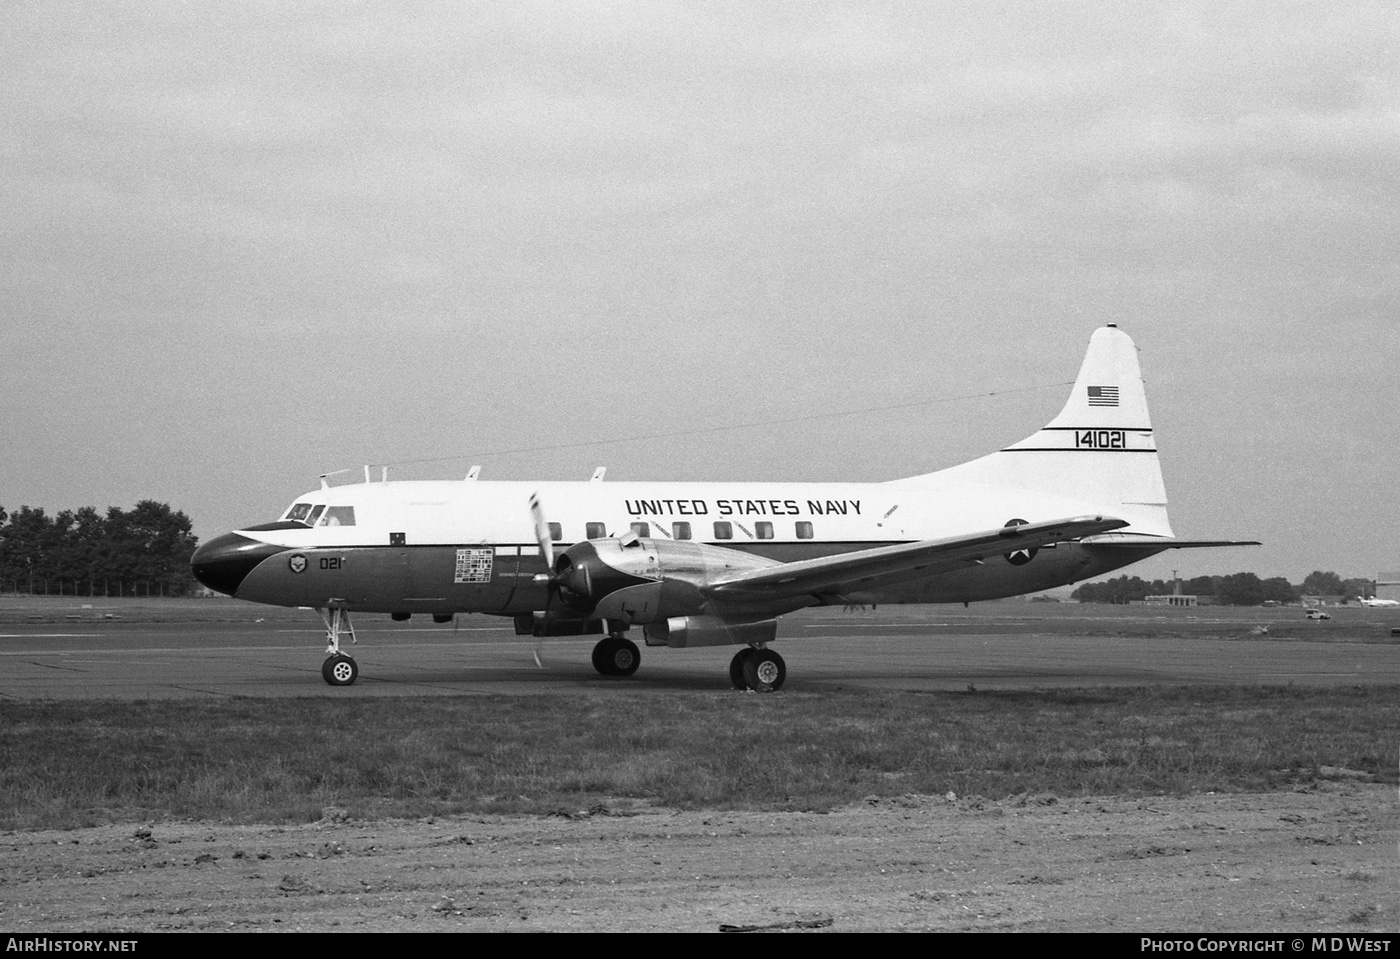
column 1100, row 449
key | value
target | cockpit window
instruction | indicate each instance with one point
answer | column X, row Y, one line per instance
column 339, row 516
column 298, row 512
column 315, row 515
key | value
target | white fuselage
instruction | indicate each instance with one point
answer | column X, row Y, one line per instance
column 468, row 546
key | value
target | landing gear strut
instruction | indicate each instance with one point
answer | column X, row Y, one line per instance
column 761, row 670
column 616, row 656
column 338, row 669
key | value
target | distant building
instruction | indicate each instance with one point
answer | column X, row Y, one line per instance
column 1388, row 585
column 1171, row 599
column 1175, row 598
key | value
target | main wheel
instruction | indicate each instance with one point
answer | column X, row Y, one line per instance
column 616, row 656
column 765, row 671
column 624, row 657
column 736, row 667
column 340, row 670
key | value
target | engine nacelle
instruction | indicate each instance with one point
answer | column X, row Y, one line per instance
column 688, row 631
column 636, row 581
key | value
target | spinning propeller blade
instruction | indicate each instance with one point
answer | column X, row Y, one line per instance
column 547, row 552
column 542, row 531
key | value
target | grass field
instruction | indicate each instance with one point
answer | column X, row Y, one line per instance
column 65, row 764
column 70, row 764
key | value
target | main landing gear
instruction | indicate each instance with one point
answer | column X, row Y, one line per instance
column 761, row 670
column 616, row 656
column 338, row 669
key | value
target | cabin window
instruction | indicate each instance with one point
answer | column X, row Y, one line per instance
column 680, row 530
column 339, row 516
column 315, row 515
column 724, row 530
column 804, row 529
column 298, row 512
column 642, row 529
column 596, row 530
column 556, row 532
column 764, row 529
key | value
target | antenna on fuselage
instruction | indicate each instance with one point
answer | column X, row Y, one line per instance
column 472, row 473
column 598, row 474
column 325, row 478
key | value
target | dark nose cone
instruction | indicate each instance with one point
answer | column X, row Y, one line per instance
column 224, row 561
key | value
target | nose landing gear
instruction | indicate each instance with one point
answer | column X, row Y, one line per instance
column 338, row 669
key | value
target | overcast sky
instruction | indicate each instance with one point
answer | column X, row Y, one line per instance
column 244, row 244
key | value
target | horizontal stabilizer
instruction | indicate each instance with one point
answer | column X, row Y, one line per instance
column 1161, row 542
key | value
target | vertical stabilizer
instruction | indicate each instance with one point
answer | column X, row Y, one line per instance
column 1099, row 450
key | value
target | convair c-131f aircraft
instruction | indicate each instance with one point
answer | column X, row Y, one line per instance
column 708, row 564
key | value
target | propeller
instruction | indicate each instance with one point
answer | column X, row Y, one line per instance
column 547, row 551
column 542, row 531
column 566, row 580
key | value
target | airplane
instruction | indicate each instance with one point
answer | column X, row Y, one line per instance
column 715, row 563
column 1378, row 602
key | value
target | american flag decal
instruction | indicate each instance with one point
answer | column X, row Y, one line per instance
column 1103, row 396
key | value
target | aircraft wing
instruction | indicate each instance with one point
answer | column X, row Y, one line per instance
column 872, row 568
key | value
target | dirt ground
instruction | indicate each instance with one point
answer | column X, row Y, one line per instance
column 1319, row 859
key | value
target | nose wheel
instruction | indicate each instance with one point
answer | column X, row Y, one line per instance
column 761, row 670
column 340, row 670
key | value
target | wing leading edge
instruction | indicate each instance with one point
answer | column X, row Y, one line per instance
column 883, row 565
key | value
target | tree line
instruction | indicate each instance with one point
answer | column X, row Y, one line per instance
column 144, row 551
column 1236, row 589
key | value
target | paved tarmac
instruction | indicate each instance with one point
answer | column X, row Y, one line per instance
column 480, row 655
